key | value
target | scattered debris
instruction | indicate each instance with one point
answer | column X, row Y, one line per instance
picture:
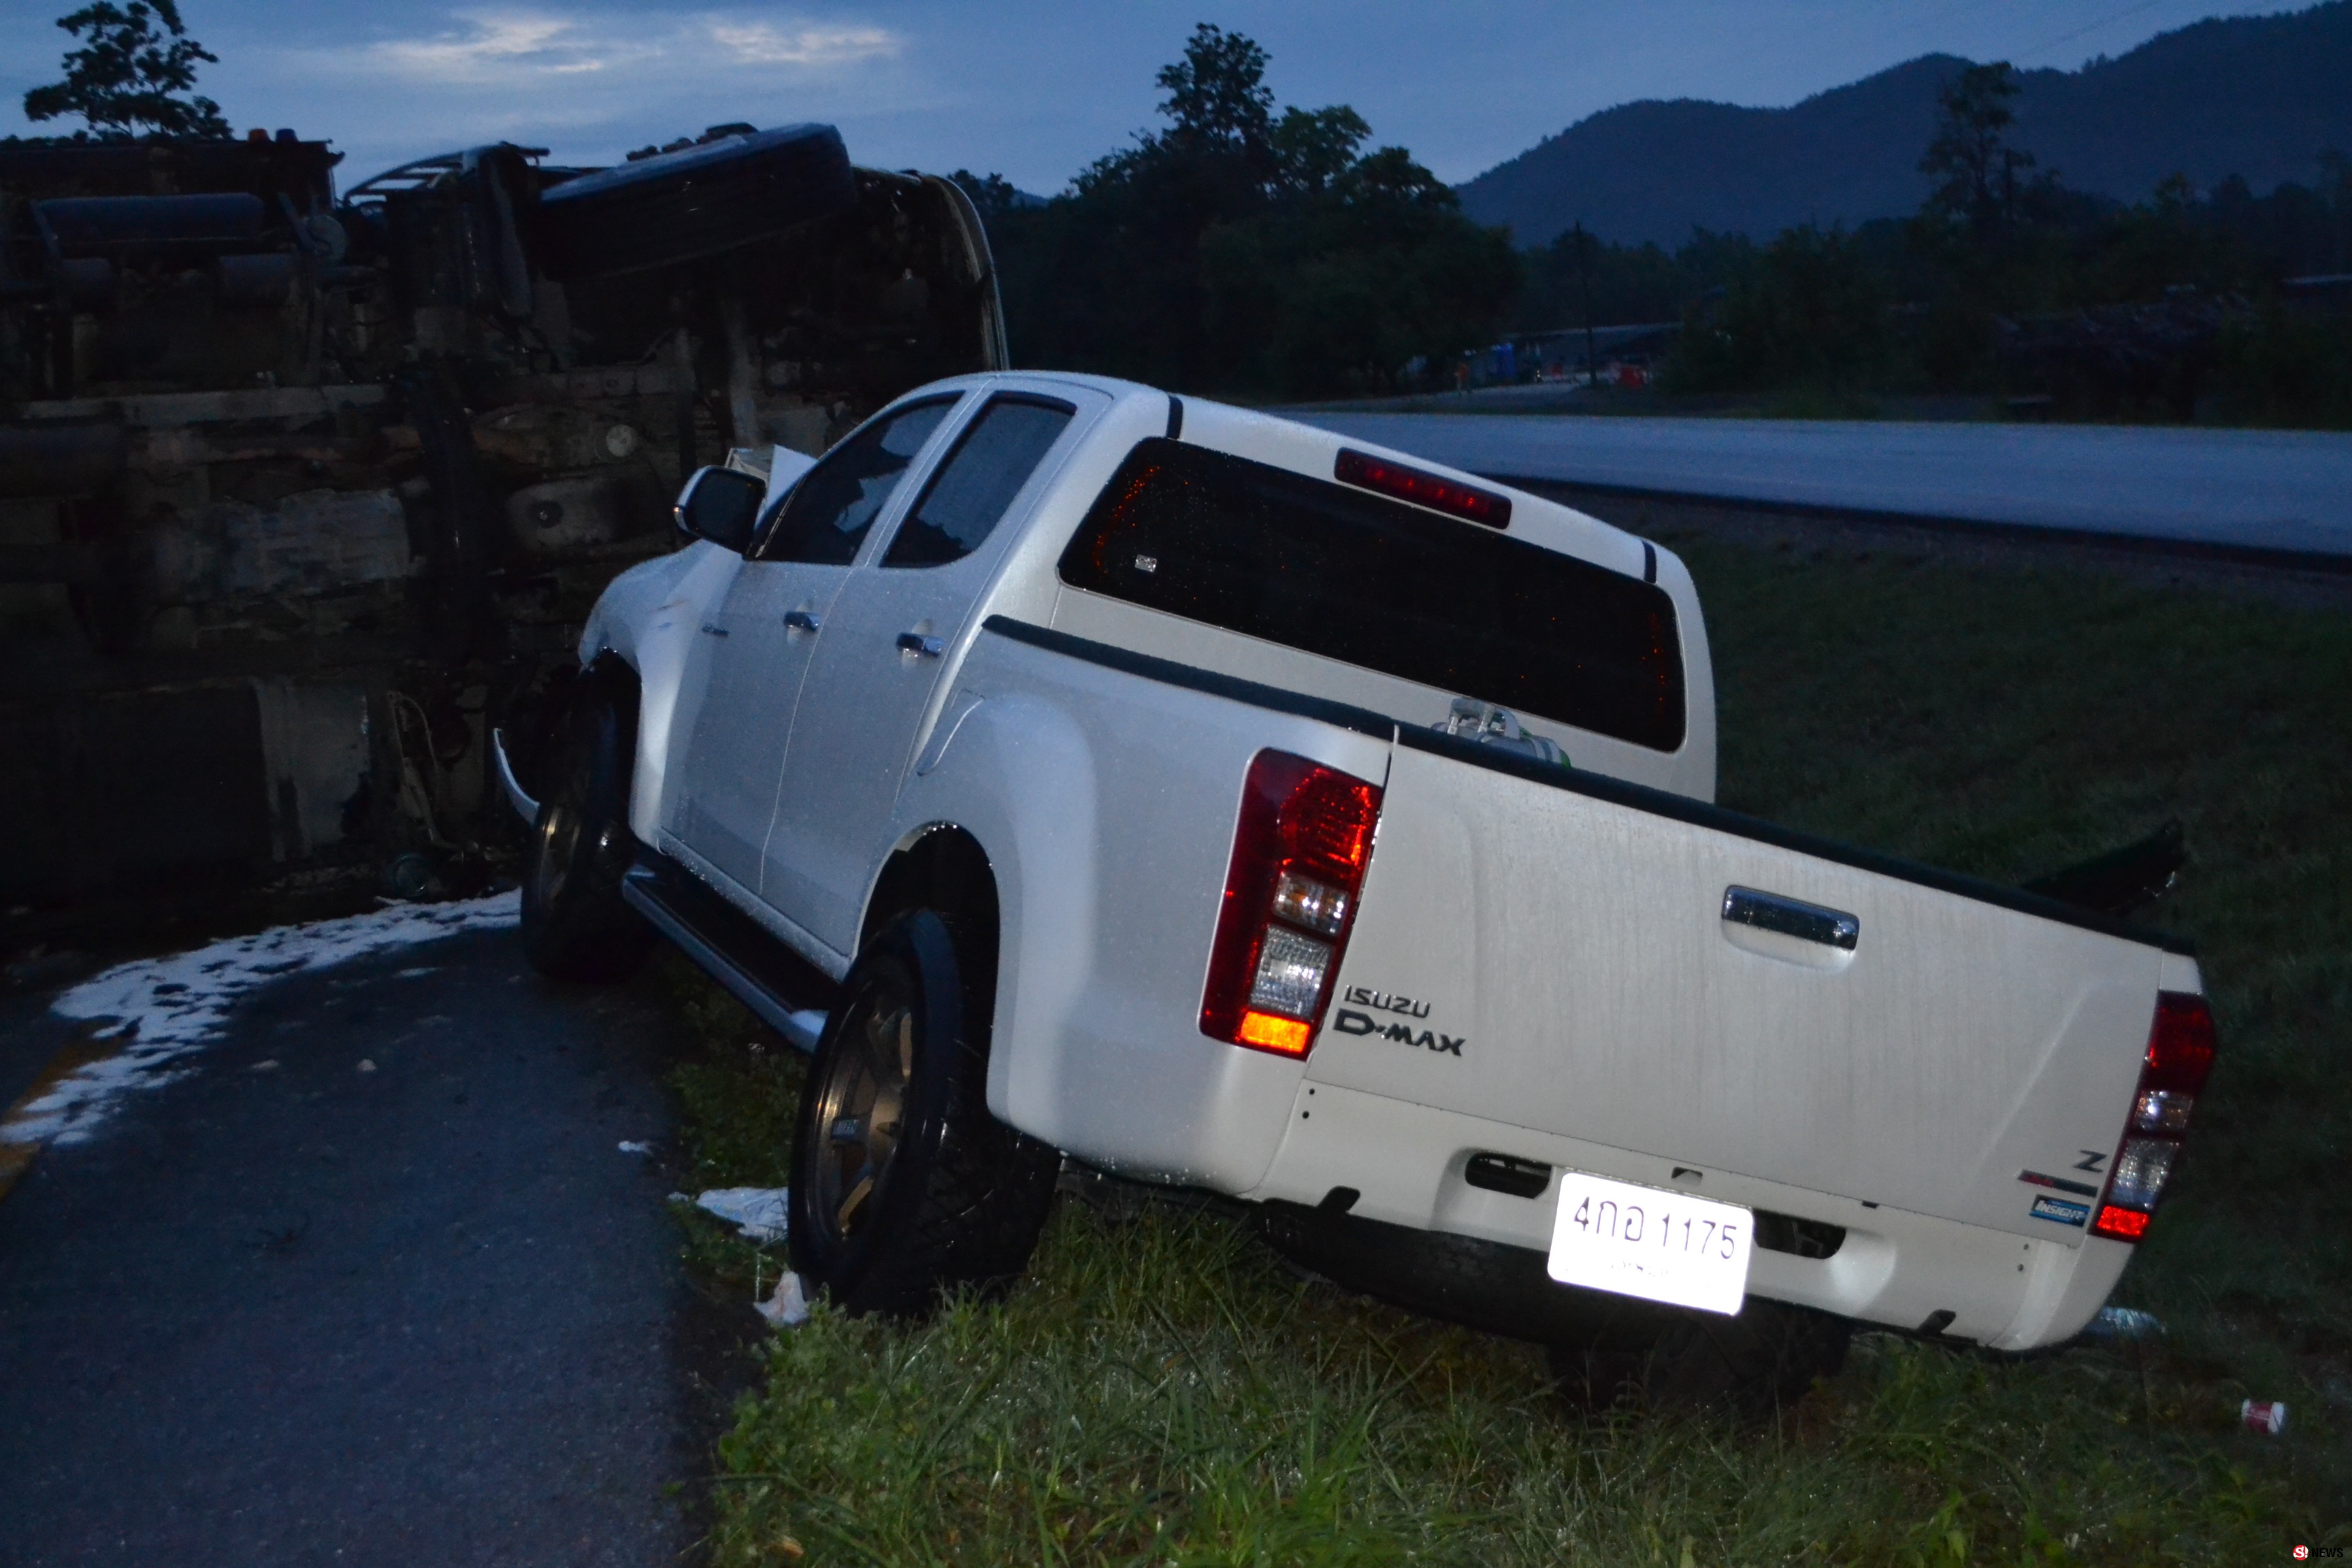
column 2124, row 1323
column 2267, row 1416
column 635, row 1146
column 164, row 1008
column 757, row 1212
column 788, row 1307
column 282, row 1238
column 270, row 1066
column 414, row 972
column 38, row 965
column 366, row 1065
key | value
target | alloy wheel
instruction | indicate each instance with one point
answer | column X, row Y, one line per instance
column 862, row 1104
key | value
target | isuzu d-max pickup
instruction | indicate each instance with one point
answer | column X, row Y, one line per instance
column 1088, row 774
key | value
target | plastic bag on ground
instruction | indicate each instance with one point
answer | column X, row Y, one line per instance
column 788, row 1307
column 757, row 1212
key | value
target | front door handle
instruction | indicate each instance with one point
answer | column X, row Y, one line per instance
column 916, row 643
column 801, row 621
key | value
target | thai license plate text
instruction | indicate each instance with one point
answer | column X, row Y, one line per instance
column 1646, row 1242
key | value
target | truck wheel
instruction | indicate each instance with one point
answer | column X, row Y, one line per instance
column 1766, row 1356
column 903, row 1185
column 574, row 924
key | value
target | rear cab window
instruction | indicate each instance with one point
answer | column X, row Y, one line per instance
column 1316, row 567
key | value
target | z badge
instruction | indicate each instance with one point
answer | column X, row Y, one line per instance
column 2061, row 1211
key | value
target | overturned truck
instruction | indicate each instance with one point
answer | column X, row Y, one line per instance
column 301, row 494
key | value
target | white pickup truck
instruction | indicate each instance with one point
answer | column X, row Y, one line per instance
column 1086, row 774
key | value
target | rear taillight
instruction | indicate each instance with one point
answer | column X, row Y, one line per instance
column 1300, row 856
column 2179, row 1054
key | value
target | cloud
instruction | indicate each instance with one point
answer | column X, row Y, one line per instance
column 765, row 44
column 513, row 48
column 496, row 46
column 593, row 79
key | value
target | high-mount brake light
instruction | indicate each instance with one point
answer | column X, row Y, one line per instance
column 2171, row 1076
column 1300, row 851
column 1422, row 488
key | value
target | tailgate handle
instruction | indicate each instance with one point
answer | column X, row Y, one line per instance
column 1808, row 922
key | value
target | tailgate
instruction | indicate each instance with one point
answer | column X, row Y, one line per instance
column 1552, row 951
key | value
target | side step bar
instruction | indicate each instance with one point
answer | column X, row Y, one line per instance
column 784, row 989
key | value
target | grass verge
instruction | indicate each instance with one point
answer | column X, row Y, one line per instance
column 1161, row 1390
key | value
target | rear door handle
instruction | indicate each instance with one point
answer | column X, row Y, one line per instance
column 801, row 621
column 1788, row 917
column 916, row 643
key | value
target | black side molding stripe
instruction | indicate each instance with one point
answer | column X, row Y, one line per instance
column 1175, row 418
column 1649, row 562
column 1698, row 814
column 1167, row 672
column 1576, row 781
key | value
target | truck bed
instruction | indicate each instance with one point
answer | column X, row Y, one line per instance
column 1541, row 969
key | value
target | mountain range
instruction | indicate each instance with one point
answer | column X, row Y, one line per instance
column 2259, row 97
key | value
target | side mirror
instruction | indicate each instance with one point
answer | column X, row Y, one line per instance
column 720, row 505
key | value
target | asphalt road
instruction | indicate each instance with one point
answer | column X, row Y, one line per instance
column 421, row 1311
column 2284, row 491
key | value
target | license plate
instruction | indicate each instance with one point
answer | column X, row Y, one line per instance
column 1659, row 1245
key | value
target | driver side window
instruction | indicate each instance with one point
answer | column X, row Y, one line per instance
column 823, row 519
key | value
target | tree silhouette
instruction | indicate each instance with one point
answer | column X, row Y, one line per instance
column 127, row 74
column 1247, row 246
column 1975, row 168
column 1217, row 94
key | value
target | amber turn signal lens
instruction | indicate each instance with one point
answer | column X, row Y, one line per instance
column 1269, row 1033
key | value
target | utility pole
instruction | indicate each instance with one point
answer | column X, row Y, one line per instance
column 1584, row 277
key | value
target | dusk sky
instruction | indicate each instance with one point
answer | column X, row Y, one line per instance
column 1035, row 90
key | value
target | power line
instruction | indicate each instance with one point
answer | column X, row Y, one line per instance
column 2126, row 13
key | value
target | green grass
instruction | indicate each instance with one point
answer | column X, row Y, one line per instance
column 1161, row 1390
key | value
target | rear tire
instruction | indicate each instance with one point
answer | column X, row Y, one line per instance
column 903, row 1185
column 574, row 923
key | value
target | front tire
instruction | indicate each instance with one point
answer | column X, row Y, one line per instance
column 574, row 923
column 903, row 1185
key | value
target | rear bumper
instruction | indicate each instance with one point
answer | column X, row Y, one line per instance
column 1406, row 1163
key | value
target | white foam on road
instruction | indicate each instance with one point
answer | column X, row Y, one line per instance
column 166, row 1009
